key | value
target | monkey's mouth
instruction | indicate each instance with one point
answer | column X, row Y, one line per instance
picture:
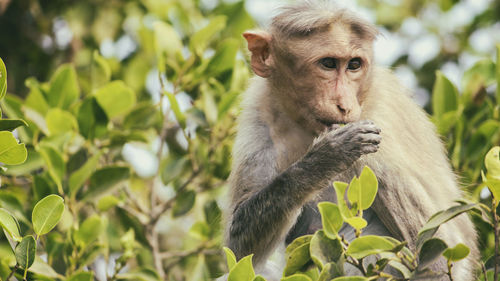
column 329, row 123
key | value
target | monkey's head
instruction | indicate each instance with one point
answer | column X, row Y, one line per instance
column 319, row 60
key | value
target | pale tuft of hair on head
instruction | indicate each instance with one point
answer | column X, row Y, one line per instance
column 310, row 16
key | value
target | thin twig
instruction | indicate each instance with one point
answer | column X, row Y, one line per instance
column 12, row 272
column 483, row 268
column 450, row 265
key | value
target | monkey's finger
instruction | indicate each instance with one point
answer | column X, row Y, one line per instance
column 368, row 138
column 371, row 148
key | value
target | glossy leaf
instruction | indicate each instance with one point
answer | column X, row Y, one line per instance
column 259, row 278
column 11, row 124
column 105, row 179
column 357, row 222
column 167, row 40
column 183, row 203
column 107, row 202
column 492, row 163
column 498, row 72
column 242, row 271
column 230, row 257
column 54, row 161
column 325, row 250
column 441, row 217
column 351, row 278
column 100, row 71
column 340, row 191
column 444, row 96
column 174, row 105
column 430, row 251
column 201, row 38
column 9, row 224
column 78, row 178
column 297, row 277
column 47, row 213
column 368, row 245
column 60, row 121
column 115, row 98
column 25, row 252
column 224, row 58
column 11, row 152
column 459, row 252
column 3, row 79
column 89, row 231
column 330, row 271
column 64, row 89
column 330, row 218
column 81, row 276
column 297, row 259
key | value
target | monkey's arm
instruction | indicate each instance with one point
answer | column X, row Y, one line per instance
column 266, row 203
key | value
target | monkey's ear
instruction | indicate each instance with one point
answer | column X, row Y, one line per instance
column 258, row 44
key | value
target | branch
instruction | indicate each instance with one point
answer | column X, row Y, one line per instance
column 497, row 234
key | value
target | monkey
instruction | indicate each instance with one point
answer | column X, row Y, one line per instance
column 317, row 111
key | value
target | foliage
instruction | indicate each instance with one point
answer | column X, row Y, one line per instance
column 81, row 199
column 78, row 201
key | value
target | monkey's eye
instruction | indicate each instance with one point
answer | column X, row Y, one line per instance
column 330, row 63
column 354, row 64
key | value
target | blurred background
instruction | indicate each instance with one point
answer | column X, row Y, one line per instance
column 186, row 60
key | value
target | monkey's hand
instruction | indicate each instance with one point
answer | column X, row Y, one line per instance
column 337, row 149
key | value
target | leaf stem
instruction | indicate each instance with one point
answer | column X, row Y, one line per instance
column 12, row 272
column 450, row 265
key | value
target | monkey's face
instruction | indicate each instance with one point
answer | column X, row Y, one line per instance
column 324, row 75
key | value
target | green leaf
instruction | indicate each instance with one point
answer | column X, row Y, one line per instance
column 115, row 98
column 242, row 271
column 11, row 152
column 331, row 270
column 10, row 224
column 92, row 119
column 351, row 278
column 444, row 95
column 47, row 213
column 357, row 222
column 297, row 277
column 105, row 179
column 78, row 178
column 100, row 73
column 3, row 79
column 54, row 161
column 299, row 241
column 167, row 40
column 297, row 259
column 224, row 57
column 324, row 250
column 89, row 231
column 200, row 230
column 174, row 105
column 369, row 187
column 64, row 89
column 183, row 203
column 60, row 121
column 81, row 276
column 459, row 252
column 230, row 257
column 492, row 163
column 441, row 217
column 201, row 38
column 36, row 99
column 107, row 202
column 430, row 251
column 173, row 169
column 25, row 253
column 11, row 124
column 340, row 191
column 259, row 278
column 368, row 245
column 330, row 218
column 209, row 104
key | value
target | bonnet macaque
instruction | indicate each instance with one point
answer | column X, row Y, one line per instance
column 315, row 72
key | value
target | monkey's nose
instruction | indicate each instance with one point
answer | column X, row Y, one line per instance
column 342, row 109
